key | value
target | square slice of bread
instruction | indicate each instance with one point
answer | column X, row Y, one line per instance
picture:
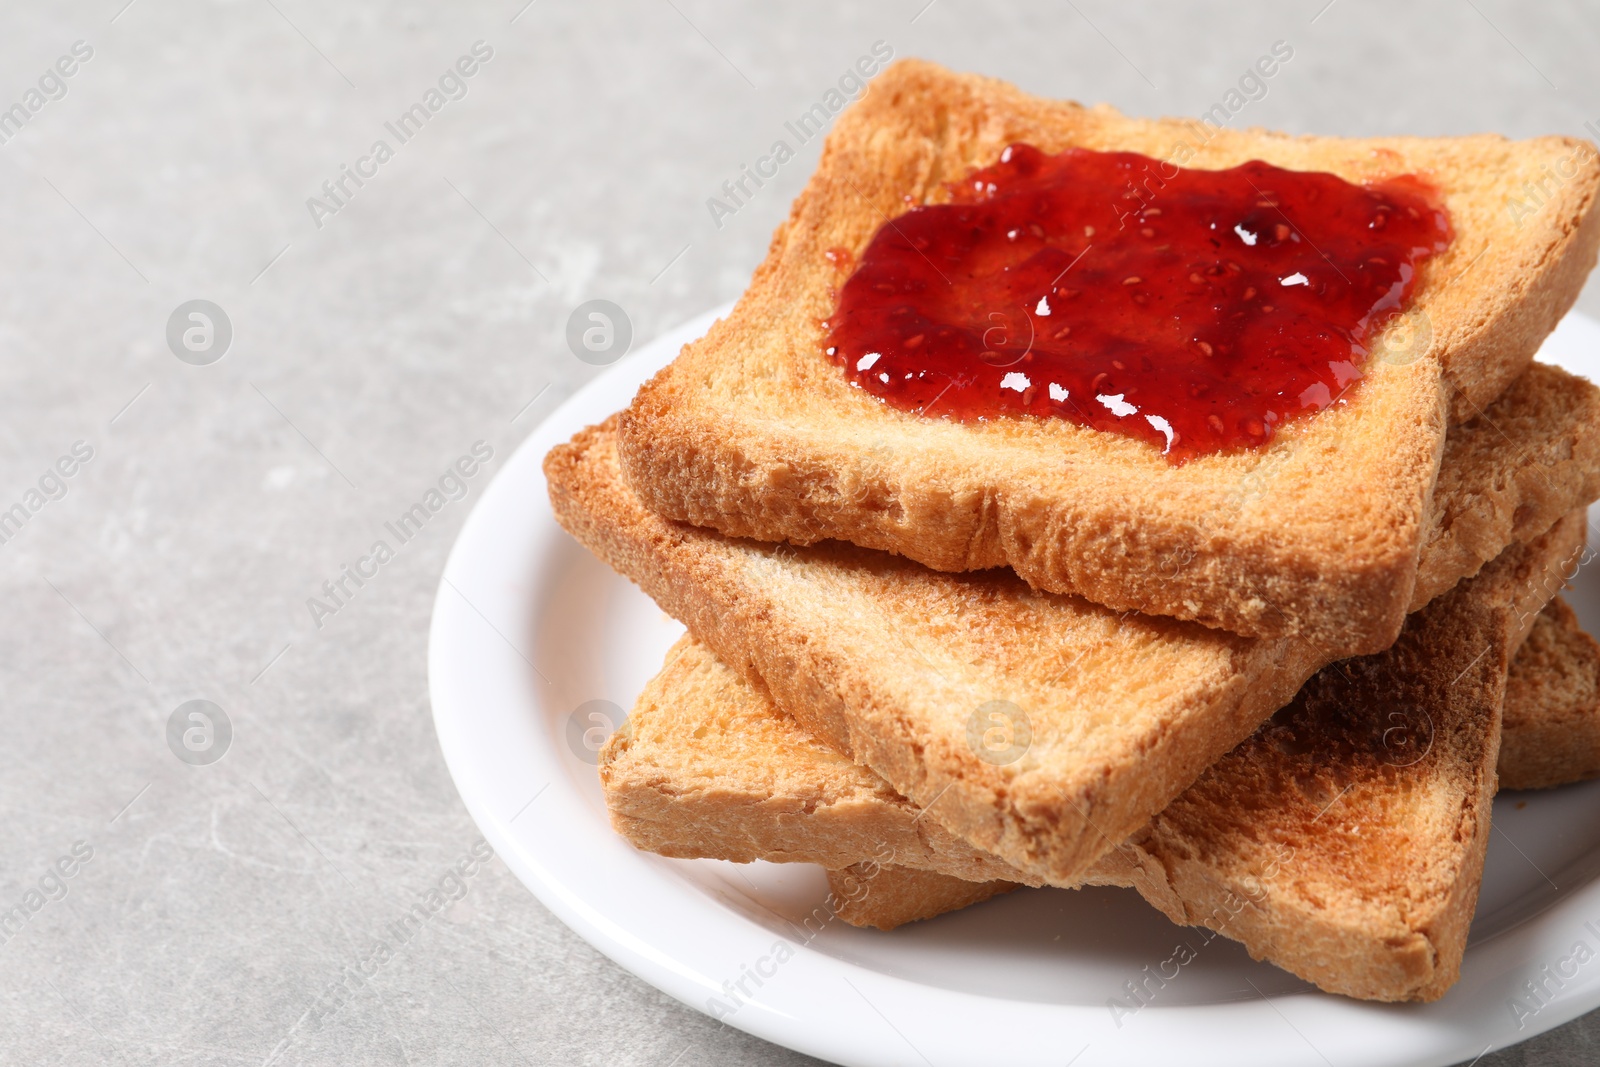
column 755, row 432
column 1343, row 841
column 901, row 667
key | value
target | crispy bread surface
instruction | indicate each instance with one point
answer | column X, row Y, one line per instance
column 754, row 432
column 1550, row 737
column 1552, row 714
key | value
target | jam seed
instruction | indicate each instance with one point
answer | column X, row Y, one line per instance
column 1132, row 279
column 1205, row 346
column 1059, row 334
column 914, row 342
column 1215, row 424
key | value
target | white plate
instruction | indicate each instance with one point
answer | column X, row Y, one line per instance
column 529, row 629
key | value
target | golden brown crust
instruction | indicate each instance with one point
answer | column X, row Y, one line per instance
column 1343, row 841
column 908, row 894
column 885, row 897
column 1552, row 717
column 751, row 431
column 1542, row 438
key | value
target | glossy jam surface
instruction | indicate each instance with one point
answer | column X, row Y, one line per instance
column 1196, row 310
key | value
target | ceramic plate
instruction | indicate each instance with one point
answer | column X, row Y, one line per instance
column 536, row 648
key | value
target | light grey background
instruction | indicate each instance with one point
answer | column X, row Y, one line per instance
column 222, row 900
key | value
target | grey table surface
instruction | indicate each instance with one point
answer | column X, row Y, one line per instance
column 376, row 338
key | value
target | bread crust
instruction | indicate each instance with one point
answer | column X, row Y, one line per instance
column 885, row 897
column 1336, row 842
column 755, row 786
column 885, row 660
column 1552, row 712
column 753, row 432
column 1541, row 440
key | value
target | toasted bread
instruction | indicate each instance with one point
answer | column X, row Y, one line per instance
column 1552, row 712
column 1343, row 841
column 754, row 432
column 901, row 667
column 885, row 896
column 1550, row 737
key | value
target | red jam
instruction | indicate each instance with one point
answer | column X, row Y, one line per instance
column 1197, row 310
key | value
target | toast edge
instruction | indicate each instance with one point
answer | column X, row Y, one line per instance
column 685, row 470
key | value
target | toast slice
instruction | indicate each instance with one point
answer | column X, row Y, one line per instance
column 1344, row 841
column 755, row 432
column 1550, row 737
column 902, row 668
column 884, row 896
column 1552, row 712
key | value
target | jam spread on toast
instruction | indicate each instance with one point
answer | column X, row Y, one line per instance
column 1197, row 310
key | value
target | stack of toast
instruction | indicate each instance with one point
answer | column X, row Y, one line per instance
column 1266, row 687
